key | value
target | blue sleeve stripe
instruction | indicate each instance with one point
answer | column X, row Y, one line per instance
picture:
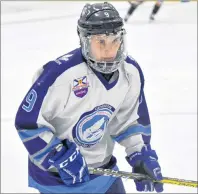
column 54, row 142
column 35, row 145
column 137, row 129
column 28, row 133
column 143, row 113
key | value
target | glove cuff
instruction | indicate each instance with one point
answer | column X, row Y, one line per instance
column 144, row 155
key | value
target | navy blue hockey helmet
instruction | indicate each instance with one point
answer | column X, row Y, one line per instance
column 97, row 19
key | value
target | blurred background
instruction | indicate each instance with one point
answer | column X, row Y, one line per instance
column 35, row 32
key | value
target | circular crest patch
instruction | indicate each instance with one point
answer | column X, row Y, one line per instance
column 90, row 128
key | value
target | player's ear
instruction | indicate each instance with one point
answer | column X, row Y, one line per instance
column 78, row 32
column 79, row 35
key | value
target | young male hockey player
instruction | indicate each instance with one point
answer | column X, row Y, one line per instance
column 80, row 104
column 135, row 4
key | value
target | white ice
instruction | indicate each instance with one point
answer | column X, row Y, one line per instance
column 32, row 33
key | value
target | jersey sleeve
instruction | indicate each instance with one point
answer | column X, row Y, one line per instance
column 131, row 125
column 41, row 104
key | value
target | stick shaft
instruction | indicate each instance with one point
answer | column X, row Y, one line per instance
column 180, row 182
column 136, row 176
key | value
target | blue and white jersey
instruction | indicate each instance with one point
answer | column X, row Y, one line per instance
column 69, row 100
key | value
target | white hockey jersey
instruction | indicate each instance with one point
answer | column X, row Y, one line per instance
column 69, row 100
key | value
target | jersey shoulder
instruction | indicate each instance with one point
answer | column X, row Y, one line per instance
column 132, row 67
column 64, row 62
column 53, row 70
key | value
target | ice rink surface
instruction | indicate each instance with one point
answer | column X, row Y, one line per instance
column 33, row 33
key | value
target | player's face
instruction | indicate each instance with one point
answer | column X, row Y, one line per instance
column 104, row 47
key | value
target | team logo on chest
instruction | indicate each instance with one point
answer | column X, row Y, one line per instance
column 80, row 86
column 90, row 128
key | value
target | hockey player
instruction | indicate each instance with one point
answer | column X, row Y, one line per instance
column 80, row 104
column 135, row 4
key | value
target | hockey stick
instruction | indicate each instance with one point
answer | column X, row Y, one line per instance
column 130, row 175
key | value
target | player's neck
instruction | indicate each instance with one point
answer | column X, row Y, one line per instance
column 107, row 76
column 111, row 77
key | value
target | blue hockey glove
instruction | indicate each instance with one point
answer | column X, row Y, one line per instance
column 145, row 162
column 71, row 165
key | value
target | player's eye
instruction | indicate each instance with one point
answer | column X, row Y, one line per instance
column 102, row 41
